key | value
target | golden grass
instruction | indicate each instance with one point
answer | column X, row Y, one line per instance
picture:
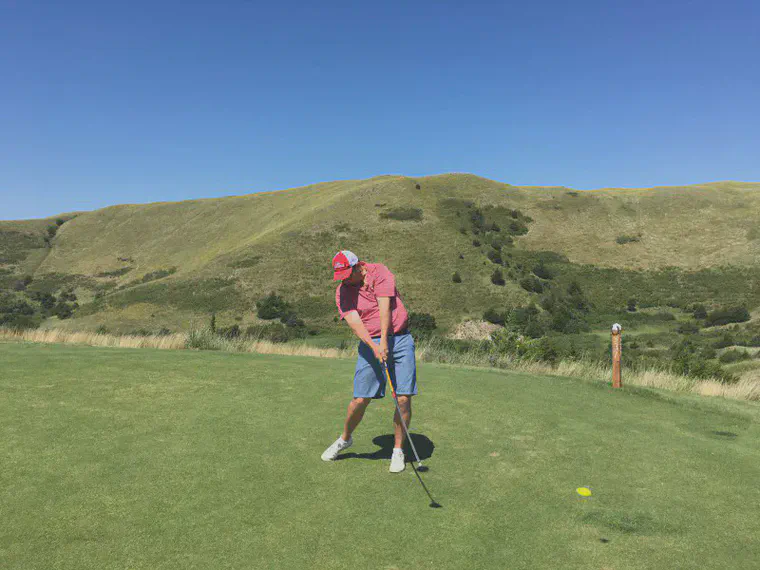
column 747, row 388
column 58, row 336
column 165, row 342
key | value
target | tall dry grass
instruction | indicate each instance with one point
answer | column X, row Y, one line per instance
column 202, row 340
column 747, row 388
column 55, row 336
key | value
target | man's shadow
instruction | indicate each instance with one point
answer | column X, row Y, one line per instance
column 422, row 444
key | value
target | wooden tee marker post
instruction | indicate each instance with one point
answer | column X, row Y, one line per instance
column 617, row 352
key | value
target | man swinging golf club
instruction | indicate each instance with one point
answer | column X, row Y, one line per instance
column 369, row 302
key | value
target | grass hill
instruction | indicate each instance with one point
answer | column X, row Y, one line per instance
column 572, row 261
column 118, row 458
column 188, row 258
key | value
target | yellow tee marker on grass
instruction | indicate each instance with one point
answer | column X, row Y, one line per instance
column 583, row 491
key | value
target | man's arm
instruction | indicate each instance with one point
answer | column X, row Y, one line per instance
column 355, row 322
column 384, row 305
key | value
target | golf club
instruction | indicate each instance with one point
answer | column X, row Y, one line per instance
column 403, row 423
column 433, row 503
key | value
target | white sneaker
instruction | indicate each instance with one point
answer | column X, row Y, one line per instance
column 398, row 462
column 339, row 445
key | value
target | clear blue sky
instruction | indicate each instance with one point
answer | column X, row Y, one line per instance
column 123, row 102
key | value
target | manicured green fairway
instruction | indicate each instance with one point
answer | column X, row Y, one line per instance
column 157, row 459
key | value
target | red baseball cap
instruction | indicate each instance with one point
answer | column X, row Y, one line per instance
column 343, row 264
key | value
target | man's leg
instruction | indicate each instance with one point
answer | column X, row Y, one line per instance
column 405, row 403
column 356, row 409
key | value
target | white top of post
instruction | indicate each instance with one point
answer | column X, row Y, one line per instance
column 616, row 328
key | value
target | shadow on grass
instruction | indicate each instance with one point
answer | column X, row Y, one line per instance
column 422, row 443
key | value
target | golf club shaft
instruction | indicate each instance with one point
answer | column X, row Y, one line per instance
column 400, row 416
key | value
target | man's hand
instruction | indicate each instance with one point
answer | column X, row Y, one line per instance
column 378, row 353
column 383, row 350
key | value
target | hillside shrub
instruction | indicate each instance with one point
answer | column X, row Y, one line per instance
column 688, row 361
column 727, row 315
column 422, row 325
column 272, row 307
column 229, row 332
column 63, row 310
column 734, row 355
column 456, row 278
column 115, row 272
column 531, row 284
column 476, row 242
column 688, row 328
column 699, row 312
column 631, row 305
column 494, row 317
column 724, row 341
column 664, row 316
column 159, row 274
column 517, row 228
column 275, row 332
column 542, row 271
column 497, row 278
column 494, row 256
column 292, row 321
column 624, row 239
column 404, row 214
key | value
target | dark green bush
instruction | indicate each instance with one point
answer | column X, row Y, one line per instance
column 476, row 242
column 247, row 262
column 621, row 240
column 456, row 278
column 727, row 315
column 229, row 332
column 734, row 355
column 631, row 305
column 115, row 272
column 402, row 214
column 275, row 332
column 688, row 328
column 160, row 274
column 63, row 310
column 494, row 256
column 534, row 329
column 664, row 316
column 688, row 361
column 494, row 317
column 574, row 289
column 700, row 312
column 422, row 324
column 272, row 307
column 291, row 320
column 542, row 271
column 497, row 278
column 725, row 340
column 531, row 284
column 517, row 228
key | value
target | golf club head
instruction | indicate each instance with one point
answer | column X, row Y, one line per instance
column 435, row 505
column 422, row 468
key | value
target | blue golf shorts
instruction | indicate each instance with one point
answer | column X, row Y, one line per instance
column 369, row 378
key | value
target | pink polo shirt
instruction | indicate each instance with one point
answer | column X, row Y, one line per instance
column 378, row 282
